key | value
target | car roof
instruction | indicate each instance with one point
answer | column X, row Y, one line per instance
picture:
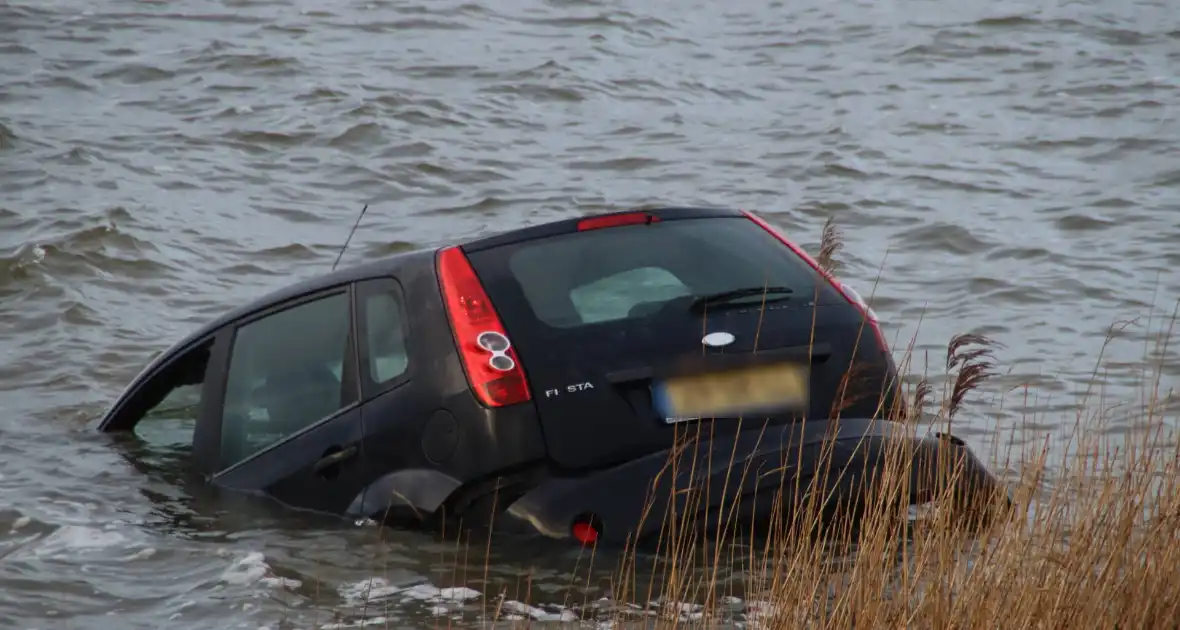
column 390, row 263
column 381, row 266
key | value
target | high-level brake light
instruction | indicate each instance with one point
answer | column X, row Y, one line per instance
column 493, row 369
column 615, row 220
column 848, row 292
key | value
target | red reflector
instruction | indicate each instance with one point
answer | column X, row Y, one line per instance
column 585, row 533
column 471, row 314
column 507, row 390
column 615, row 220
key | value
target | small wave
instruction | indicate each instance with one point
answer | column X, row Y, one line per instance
column 1114, row 202
column 357, row 135
column 412, row 149
column 136, row 74
column 77, row 156
column 266, row 65
column 573, row 21
column 389, row 248
column 948, row 50
column 466, row 8
column 622, row 19
column 418, row 116
column 487, row 205
column 845, row 171
column 7, row 138
column 121, row 51
column 322, row 94
column 270, row 138
column 1168, row 179
column 945, row 237
column 85, row 251
column 283, row 253
column 458, row 176
column 539, row 93
column 1006, row 21
column 1083, row 223
column 284, row 29
column 446, row 71
column 1022, row 254
column 548, row 70
column 16, row 49
column 981, row 186
column 66, row 83
column 412, row 25
column 629, row 164
column 1122, row 37
column 79, row 314
column 215, row 18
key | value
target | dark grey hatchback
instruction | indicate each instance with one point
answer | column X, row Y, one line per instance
column 536, row 380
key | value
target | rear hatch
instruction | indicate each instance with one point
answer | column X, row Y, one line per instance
column 601, row 314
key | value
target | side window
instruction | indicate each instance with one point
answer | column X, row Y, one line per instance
column 385, row 333
column 285, row 374
column 615, row 297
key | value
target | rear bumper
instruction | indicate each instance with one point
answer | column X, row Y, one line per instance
column 629, row 501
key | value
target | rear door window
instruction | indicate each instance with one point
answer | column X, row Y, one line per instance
column 385, row 352
column 626, row 274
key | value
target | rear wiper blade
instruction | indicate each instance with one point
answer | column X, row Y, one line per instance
column 772, row 294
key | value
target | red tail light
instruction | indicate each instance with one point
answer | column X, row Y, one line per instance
column 494, row 373
column 585, row 533
column 615, row 220
column 848, row 292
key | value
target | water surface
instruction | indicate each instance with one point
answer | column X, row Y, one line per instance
column 1011, row 167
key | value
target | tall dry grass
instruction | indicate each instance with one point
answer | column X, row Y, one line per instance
column 1089, row 541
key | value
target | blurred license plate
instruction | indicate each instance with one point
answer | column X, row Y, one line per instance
column 762, row 388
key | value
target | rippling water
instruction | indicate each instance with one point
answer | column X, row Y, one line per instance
column 1012, row 167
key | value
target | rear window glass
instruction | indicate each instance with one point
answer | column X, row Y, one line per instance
column 622, row 273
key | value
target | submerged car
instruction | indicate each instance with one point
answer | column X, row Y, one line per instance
column 536, row 380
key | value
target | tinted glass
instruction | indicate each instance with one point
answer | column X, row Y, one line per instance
column 285, row 374
column 168, row 404
column 622, row 273
column 386, row 337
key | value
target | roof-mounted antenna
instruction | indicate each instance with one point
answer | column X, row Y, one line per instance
column 349, row 240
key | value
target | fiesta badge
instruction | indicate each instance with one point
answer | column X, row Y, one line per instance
column 717, row 339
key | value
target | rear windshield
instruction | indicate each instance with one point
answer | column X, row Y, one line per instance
column 624, row 273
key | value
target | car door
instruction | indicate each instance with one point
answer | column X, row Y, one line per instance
column 290, row 421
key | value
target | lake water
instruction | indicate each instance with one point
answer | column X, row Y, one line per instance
column 1013, row 167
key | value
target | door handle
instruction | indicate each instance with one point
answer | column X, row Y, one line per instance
column 332, row 459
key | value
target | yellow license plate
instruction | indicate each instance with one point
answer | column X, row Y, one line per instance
column 752, row 389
